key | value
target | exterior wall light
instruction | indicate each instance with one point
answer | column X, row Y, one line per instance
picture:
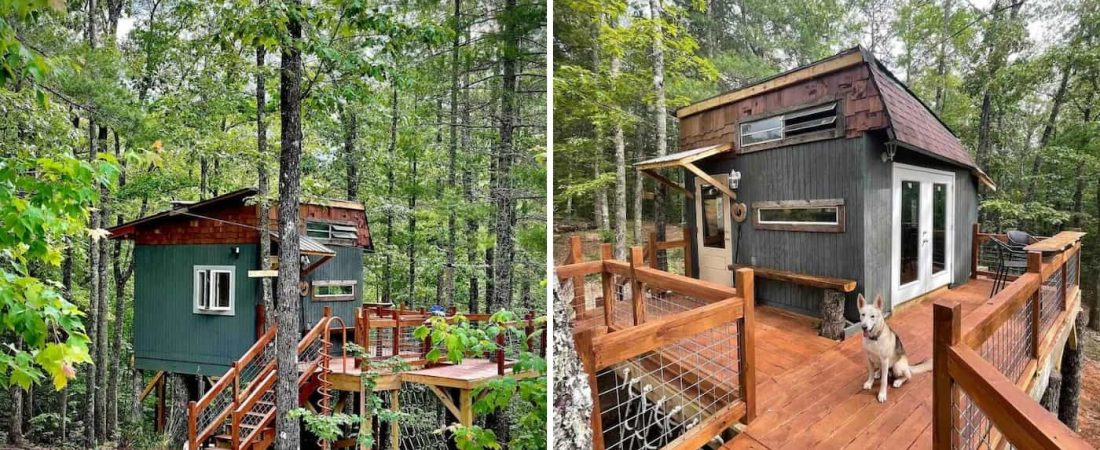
column 734, row 179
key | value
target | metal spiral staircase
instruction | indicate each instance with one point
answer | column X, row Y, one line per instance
column 238, row 412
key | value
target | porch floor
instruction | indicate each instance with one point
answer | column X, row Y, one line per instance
column 810, row 389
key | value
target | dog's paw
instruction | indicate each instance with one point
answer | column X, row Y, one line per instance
column 878, row 374
column 882, row 397
column 867, row 386
column 898, row 382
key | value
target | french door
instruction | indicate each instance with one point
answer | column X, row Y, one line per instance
column 923, row 231
column 713, row 225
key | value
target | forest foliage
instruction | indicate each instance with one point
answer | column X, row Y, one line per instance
column 115, row 108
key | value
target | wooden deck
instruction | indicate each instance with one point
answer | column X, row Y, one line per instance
column 471, row 373
column 810, row 389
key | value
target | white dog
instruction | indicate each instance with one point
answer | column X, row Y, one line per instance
column 885, row 354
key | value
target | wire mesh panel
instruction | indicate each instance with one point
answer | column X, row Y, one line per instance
column 972, row 429
column 652, row 399
column 1011, row 346
column 1071, row 269
column 381, row 343
column 409, row 344
column 219, row 404
column 252, row 369
column 1052, row 297
column 660, row 303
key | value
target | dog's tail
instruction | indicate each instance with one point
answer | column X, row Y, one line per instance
column 921, row 367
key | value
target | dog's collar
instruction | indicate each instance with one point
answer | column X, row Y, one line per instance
column 876, row 336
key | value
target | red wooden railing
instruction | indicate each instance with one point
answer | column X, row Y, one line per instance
column 982, row 378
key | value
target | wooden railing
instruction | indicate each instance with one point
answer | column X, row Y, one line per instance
column 677, row 328
column 982, row 378
column 653, row 248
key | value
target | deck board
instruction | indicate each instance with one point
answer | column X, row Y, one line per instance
column 810, row 389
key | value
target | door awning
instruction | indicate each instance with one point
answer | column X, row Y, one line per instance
column 686, row 160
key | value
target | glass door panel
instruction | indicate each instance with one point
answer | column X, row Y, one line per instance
column 939, row 227
column 909, row 269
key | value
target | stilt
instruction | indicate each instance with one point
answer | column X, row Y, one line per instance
column 395, row 430
column 160, row 420
column 1053, row 392
column 1072, row 360
column 832, row 315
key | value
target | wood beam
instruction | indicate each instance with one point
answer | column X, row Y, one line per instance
column 667, row 182
column 446, row 399
column 710, row 180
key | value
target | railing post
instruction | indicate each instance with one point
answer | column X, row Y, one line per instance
column 528, row 331
column 1062, row 283
column 975, row 250
column 608, row 287
column 583, row 341
column 637, row 289
column 747, row 342
column 946, row 332
column 235, row 369
column 396, row 333
column 576, row 256
column 192, row 433
column 500, row 352
column 1035, row 265
column 235, row 430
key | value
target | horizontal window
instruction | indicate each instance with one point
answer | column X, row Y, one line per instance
column 776, row 128
column 324, row 230
column 800, row 215
column 333, row 290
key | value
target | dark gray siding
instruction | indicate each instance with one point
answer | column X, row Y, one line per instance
column 346, row 265
column 168, row 335
column 878, row 221
column 818, row 170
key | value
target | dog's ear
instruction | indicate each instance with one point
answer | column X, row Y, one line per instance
column 860, row 301
column 878, row 301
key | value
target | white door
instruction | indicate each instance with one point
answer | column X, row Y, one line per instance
column 713, row 225
column 923, row 231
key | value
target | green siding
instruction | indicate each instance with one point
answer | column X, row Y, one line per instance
column 167, row 334
column 346, row 265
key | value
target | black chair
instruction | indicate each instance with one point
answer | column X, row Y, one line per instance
column 1011, row 256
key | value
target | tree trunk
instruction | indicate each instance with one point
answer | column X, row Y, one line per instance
column 660, row 119
column 286, row 342
column 102, row 346
column 600, row 211
column 262, row 189
column 452, row 155
column 468, row 188
column 411, row 249
column 1049, row 401
column 15, row 419
column 67, row 285
column 572, row 394
column 351, row 134
column 502, row 195
column 941, row 60
column 119, row 312
column 620, row 152
column 1073, row 360
column 387, row 269
column 93, row 264
column 639, row 192
column 1048, row 130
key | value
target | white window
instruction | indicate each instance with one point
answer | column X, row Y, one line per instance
column 800, row 215
column 214, row 289
column 324, row 230
column 334, row 290
column 776, row 128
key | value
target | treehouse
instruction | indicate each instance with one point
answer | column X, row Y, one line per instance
column 803, row 190
column 197, row 297
column 829, row 177
column 198, row 312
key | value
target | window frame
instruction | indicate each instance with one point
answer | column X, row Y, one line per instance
column 209, row 274
column 332, row 297
column 332, row 230
column 818, row 227
column 794, row 112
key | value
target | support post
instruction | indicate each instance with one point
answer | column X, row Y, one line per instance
column 832, row 315
column 975, row 250
column 161, row 393
column 746, row 289
column 1035, row 265
column 465, row 407
column 500, row 352
column 946, row 332
column 1053, row 392
column 395, row 429
column 637, row 288
column 608, row 287
column 1073, row 360
column 192, row 432
column 583, row 341
column 576, row 256
column 396, row 333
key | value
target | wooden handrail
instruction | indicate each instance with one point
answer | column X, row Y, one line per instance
column 621, row 345
column 956, row 363
column 267, row 381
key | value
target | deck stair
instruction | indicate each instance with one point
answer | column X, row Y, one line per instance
column 238, row 412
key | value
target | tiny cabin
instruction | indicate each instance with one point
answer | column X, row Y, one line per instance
column 832, row 175
column 197, row 284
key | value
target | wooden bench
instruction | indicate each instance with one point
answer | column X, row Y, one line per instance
column 832, row 304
